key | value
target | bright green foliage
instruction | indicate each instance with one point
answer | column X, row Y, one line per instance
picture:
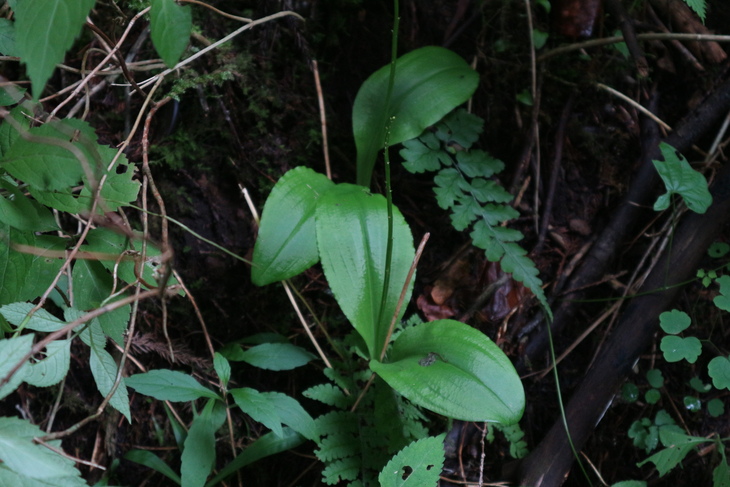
column 718, row 250
column 467, row 376
column 170, row 26
column 7, row 45
column 680, row 178
column 719, row 370
column 722, row 301
column 169, row 385
column 429, row 83
column 198, row 457
column 677, row 444
column 674, row 321
column 699, row 6
column 352, row 233
column 417, row 465
column 44, row 31
column 222, row 368
column 26, row 463
column 287, row 245
column 516, row 438
column 679, row 348
column 462, row 187
column 645, row 433
column 274, row 356
column 272, row 409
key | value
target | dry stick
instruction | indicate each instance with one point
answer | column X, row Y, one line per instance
column 66, row 455
column 642, row 37
column 626, row 25
column 218, row 43
column 303, row 321
column 219, row 12
column 93, row 72
column 644, row 111
column 323, row 120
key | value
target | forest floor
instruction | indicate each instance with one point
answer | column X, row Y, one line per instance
column 570, row 127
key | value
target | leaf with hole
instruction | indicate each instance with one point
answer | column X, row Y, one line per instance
column 470, row 378
column 287, row 244
column 352, row 237
column 429, row 83
column 679, row 178
column 417, row 465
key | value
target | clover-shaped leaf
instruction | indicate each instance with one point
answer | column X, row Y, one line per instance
column 723, row 300
column 674, row 321
column 719, row 370
column 678, row 348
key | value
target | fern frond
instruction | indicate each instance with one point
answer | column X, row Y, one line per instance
column 463, row 187
column 345, row 469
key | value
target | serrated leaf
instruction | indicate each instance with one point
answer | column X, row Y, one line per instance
column 486, row 191
column 341, row 470
column 198, row 457
column 699, row 7
column 454, row 370
column 328, row 394
column 668, row 458
column 417, row 465
column 53, row 367
column 674, row 321
column 429, row 83
column 275, row 356
column 41, row 320
column 169, row 385
column 448, row 187
column 28, row 459
column 12, row 351
column 275, row 408
column 424, row 154
column 723, row 300
column 679, row 178
column 45, row 30
column 677, row 348
column 287, row 244
column 719, row 370
column 7, row 42
column 477, row 163
column 170, row 27
column 460, row 127
column 14, row 266
column 352, row 237
column 23, row 213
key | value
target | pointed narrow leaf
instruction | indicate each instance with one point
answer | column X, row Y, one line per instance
column 169, row 385
column 454, row 370
column 198, row 457
column 352, row 234
column 429, row 83
column 286, row 245
column 170, row 26
column 150, row 460
column 44, row 31
column 275, row 356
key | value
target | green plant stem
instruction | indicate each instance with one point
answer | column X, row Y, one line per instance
column 387, row 120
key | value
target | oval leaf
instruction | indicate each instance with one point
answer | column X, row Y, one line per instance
column 275, row 356
column 429, row 83
column 352, row 235
column 286, row 245
column 454, row 370
column 169, row 385
column 170, row 26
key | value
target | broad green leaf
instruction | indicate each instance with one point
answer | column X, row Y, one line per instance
column 7, row 41
column 275, row 356
column 719, row 370
column 723, row 300
column 674, row 321
column 102, row 364
column 222, row 368
column 680, row 178
column 23, row 213
column 272, row 409
column 169, row 385
column 287, row 245
column 678, row 445
column 14, row 266
column 45, row 30
column 28, row 459
column 268, row 444
column 22, row 114
column 170, row 27
column 12, row 351
column 429, row 83
column 150, row 460
column 352, row 236
column 198, row 457
column 417, row 465
column 677, row 348
column 54, row 366
column 454, row 370
column 721, row 474
column 41, row 320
